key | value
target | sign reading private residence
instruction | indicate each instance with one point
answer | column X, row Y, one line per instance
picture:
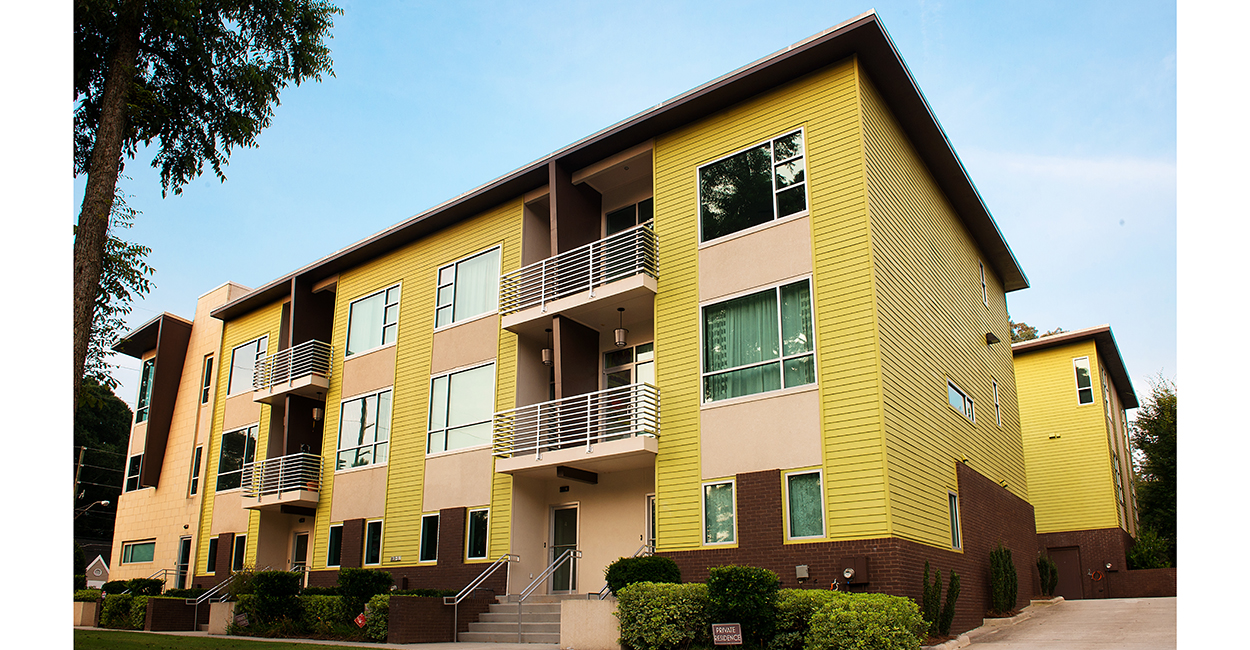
column 726, row 634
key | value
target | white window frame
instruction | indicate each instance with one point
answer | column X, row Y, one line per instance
column 421, row 542
column 347, row 353
column 785, row 487
column 364, row 547
column 733, row 490
column 147, row 375
column 133, row 473
column 193, row 486
column 468, row 534
column 206, row 379
column 261, row 351
column 128, row 549
column 210, row 558
column 954, row 516
column 998, row 411
column 429, row 432
column 330, row 545
column 1077, row 382
column 985, row 292
column 247, row 433
column 238, row 560
column 390, row 419
column 806, row 183
column 969, row 411
column 451, row 304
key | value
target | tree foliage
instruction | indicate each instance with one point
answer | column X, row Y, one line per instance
column 1021, row 331
column 102, row 427
column 1154, row 437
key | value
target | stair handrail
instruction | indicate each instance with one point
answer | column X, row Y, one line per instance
column 163, row 573
column 568, row 555
column 208, row 595
column 471, row 587
column 645, row 549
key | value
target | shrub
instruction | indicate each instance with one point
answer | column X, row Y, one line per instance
column 1149, row 551
column 193, row 592
column 931, row 599
column 275, row 596
column 866, row 622
column 663, row 616
column 87, row 595
column 124, row 611
column 241, row 583
column 428, row 593
column 377, row 617
column 1049, row 574
column 80, row 582
column 114, row 587
column 746, row 595
column 649, row 568
column 322, row 613
column 794, row 616
column 1002, row 581
column 319, row 591
column 357, row 586
column 948, row 608
column 145, row 586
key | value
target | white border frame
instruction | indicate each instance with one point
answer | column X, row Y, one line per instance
column 211, row 552
column 348, row 336
column 430, row 405
column 234, row 552
column 262, row 351
column 456, row 263
column 998, row 409
column 139, row 542
column 206, row 379
column 1076, row 383
column 197, row 465
column 957, row 520
column 221, row 446
column 364, row 543
column 785, row 506
column 733, row 483
column 146, row 400
column 468, row 530
column 339, row 432
column 438, row 532
column 772, row 174
column 329, row 539
column 968, row 401
column 985, row 291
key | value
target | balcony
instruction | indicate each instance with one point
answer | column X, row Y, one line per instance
column 302, row 370
column 606, row 431
column 578, row 282
column 292, row 480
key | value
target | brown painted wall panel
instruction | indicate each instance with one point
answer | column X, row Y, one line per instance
column 171, row 353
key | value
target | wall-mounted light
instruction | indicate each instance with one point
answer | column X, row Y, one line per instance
column 549, row 355
column 990, row 339
column 318, row 414
column 620, row 330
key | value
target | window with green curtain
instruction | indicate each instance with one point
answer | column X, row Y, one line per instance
column 806, row 508
column 140, row 552
column 758, row 343
column 718, row 513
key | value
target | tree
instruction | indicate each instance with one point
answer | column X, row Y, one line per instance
column 198, row 76
column 102, row 428
column 1021, row 331
column 1154, row 436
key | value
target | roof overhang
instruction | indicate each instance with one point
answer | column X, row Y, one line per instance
column 144, row 337
column 863, row 36
column 1104, row 341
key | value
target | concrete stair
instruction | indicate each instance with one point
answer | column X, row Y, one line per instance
column 540, row 621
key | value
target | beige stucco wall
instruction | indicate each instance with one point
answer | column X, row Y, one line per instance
column 359, row 493
column 778, row 251
column 240, row 411
column 465, row 344
column 589, row 624
column 228, row 513
column 459, row 478
column 364, row 373
column 740, row 435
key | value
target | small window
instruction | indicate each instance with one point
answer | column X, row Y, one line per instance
column 373, row 321
column 335, row 546
column 364, row 431
column 956, row 540
column 478, row 521
column 960, row 401
column 985, row 292
column 133, row 469
column 243, row 362
column 805, row 506
column 145, row 390
column 628, row 217
column 718, row 513
column 373, row 542
column 238, row 448
column 1106, row 391
column 206, row 381
column 998, row 411
column 462, row 404
column 752, row 187
column 135, row 552
column 758, row 343
column 1084, row 383
column 195, row 472
column 210, row 563
column 429, row 538
column 239, row 552
column 467, row 288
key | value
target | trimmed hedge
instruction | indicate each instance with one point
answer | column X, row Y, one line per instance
column 866, row 622
column 357, row 586
column 648, row 568
column 663, row 616
column 377, row 617
column 124, row 611
column 746, row 595
column 322, row 613
column 794, row 616
column 275, row 596
column 87, row 595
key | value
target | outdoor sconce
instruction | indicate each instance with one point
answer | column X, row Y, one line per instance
column 318, row 414
column 620, row 330
column 549, row 357
column 990, row 339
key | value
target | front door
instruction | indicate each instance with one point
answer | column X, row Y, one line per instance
column 299, row 552
column 184, row 562
column 1068, row 562
column 564, row 538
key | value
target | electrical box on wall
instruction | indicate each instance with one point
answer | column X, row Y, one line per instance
column 859, row 564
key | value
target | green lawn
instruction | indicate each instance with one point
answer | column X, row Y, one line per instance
column 119, row 640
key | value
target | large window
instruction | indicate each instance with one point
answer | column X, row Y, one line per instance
column 478, row 528
column 133, row 552
column 755, row 186
column 429, row 538
column 751, row 346
column 133, row 469
column 373, row 321
column 461, row 406
column 805, row 508
column 960, row 401
column 467, row 288
column 243, row 361
column 1084, row 384
column 373, row 542
column 364, row 430
column 145, row 390
column 335, row 546
column 718, row 513
column 238, row 448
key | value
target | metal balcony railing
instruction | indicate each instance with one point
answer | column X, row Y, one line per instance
column 300, row 471
column 307, row 358
column 627, row 253
column 581, row 420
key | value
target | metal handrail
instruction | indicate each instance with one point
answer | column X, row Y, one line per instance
column 471, row 587
column 307, row 358
column 301, row 471
column 568, row 555
column 587, row 419
column 624, row 254
column 644, row 550
column 163, row 573
column 208, row 595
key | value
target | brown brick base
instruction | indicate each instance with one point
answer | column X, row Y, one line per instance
column 989, row 513
column 1103, row 546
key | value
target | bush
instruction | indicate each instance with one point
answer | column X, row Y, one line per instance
column 145, row 586
column 948, row 608
column 193, row 592
column 866, row 622
column 1149, row 551
column 377, row 617
column 241, row 583
column 649, row 568
column 80, row 582
column 931, row 599
column 357, row 586
column 746, row 595
column 124, row 611
column 428, row 593
column 87, row 595
column 322, row 613
column 662, row 616
column 115, row 587
column 1049, row 574
column 275, row 596
column 319, row 591
column 794, row 616
column 1002, row 581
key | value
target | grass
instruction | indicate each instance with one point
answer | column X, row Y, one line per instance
column 118, row 640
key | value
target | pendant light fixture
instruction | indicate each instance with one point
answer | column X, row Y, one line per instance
column 548, row 352
column 620, row 330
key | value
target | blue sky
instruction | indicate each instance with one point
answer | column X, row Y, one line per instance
column 1064, row 115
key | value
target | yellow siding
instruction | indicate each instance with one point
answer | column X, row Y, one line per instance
column 1071, row 483
column 933, row 321
column 264, row 321
column 416, row 267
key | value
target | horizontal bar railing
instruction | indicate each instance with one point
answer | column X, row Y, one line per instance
column 624, row 254
column 569, row 556
column 472, row 586
column 300, row 471
column 581, row 420
column 307, row 358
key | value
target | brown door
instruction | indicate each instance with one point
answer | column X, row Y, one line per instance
column 1068, row 561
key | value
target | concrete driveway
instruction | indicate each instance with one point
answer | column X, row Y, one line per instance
column 1102, row 624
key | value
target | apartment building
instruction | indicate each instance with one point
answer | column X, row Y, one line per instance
column 760, row 323
column 1074, row 390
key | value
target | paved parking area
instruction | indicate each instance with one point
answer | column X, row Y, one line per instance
column 1103, row 624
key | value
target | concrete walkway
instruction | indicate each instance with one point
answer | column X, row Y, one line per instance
column 395, row 646
column 1101, row 624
